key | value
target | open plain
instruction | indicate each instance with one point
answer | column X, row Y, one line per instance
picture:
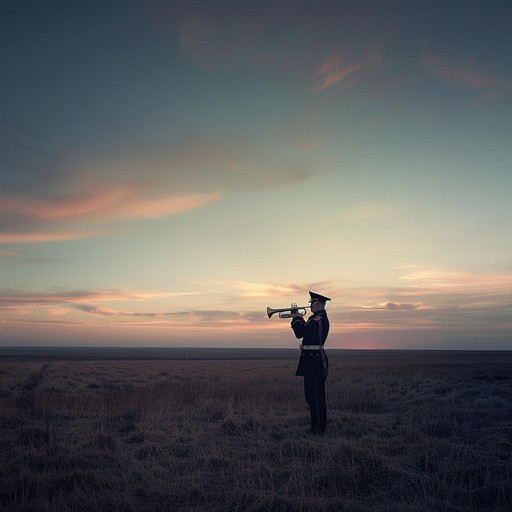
column 140, row 430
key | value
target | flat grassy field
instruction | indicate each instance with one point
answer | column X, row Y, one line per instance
column 407, row 431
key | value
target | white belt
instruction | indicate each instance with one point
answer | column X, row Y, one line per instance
column 311, row 347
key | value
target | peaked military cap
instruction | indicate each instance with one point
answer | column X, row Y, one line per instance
column 316, row 296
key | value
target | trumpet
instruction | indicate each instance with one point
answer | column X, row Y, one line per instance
column 290, row 312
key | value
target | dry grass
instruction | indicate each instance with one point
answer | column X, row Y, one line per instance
column 406, row 433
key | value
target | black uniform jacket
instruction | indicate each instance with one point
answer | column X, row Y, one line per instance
column 312, row 332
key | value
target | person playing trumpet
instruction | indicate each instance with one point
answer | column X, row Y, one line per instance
column 313, row 363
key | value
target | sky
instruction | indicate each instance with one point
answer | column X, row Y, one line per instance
column 168, row 169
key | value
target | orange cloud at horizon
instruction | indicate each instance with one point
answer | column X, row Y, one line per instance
column 436, row 280
column 476, row 303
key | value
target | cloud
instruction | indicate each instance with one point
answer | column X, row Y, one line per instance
column 481, row 306
column 208, row 165
column 92, row 309
column 121, row 203
column 450, row 281
column 144, row 185
column 56, row 236
column 442, row 302
column 338, row 70
column 248, row 290
column 465, row 74
column 122, row 305
column 437, row 293
column 88, row 308
column 10, row 298
column 260, row 290
column 96, row 302
column 396, row 306
column 251, row 36
column 401, row 306
column 213, row 37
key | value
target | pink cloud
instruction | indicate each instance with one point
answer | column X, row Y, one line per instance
column 59, row 311
column 45, row 215
column 338, row 70
column 277, row 292
column 456, row 281
column 464, row 74
column 120, row 202
column 142, row 186
column 396, row 306
column 12, row 298
column 48, row 236
column 476, row 303
column 63, row 207
column 154, row 207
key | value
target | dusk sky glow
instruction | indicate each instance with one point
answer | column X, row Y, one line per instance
column 168, row 169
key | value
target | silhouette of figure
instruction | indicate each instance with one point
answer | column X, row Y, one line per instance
column 313, row 363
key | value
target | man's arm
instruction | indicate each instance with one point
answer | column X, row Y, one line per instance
column 298, row 324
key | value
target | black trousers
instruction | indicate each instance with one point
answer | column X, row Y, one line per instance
column 314, row 388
